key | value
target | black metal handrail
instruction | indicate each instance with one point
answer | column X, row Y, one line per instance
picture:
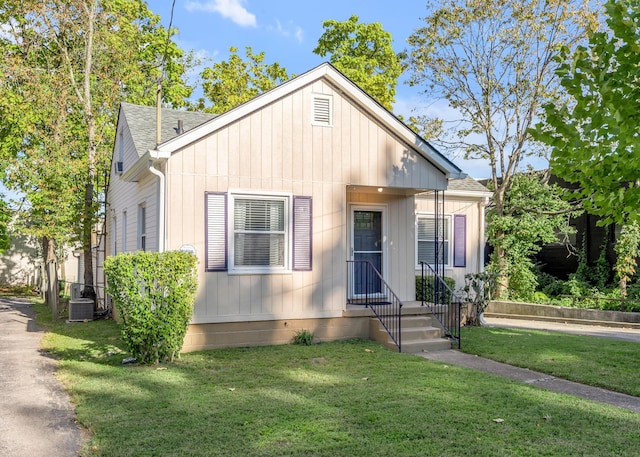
column 441, row 301
column 367, row 287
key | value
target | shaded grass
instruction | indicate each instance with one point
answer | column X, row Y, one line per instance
column 602, row 362
column 352, row 398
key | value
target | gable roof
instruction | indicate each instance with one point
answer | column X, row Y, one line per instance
column 142, row 124
column 466, row 185
column 348, row 89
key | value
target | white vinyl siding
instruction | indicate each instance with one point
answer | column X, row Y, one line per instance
column 426, row 239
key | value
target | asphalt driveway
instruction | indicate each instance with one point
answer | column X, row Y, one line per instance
column 36, row 417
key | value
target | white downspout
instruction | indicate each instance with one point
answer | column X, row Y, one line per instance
column 161, row 206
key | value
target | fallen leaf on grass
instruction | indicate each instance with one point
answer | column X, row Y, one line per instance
column 498, row 420
column 366, row 378
column 368, row 350
column 232, row 389
column 161, row 368
column 546, row 417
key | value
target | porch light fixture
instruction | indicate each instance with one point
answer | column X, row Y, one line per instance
column 379, row 189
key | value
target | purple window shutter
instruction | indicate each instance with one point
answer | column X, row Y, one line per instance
column 459, row 240
column 216, row 231
column 302, row 233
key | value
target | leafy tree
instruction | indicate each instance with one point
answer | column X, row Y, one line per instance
column 364, row 53
column 593, row 135
column 230, row 83
column 66, row 66
column 534, row 212
column 5, row 218
column 627, row 251
column 493, row 61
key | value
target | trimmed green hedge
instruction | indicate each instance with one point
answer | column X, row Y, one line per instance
column 154, row 293
column 429, row 287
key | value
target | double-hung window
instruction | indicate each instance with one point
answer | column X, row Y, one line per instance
column 260, row 226
column 142, row 228
column 447, row 234
column 434, row 234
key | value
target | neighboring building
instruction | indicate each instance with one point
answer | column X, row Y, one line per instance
column 21, row 264
column 276, row 195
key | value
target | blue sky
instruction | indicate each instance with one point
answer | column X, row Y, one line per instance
column 288, row 31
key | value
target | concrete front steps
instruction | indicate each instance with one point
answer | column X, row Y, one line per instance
column 418, row 334
column 420, row 330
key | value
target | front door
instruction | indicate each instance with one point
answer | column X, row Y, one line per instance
column 367, row 245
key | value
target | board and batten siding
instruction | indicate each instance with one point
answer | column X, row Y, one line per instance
column 277, row 149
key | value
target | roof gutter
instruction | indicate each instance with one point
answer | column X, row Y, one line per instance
column 157, row 158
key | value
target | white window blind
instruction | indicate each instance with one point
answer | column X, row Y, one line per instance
column 259, row 232
column 427, row 239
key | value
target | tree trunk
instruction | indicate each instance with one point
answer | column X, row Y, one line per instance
column 51, row 292
column 502, row 282
column 88, row 221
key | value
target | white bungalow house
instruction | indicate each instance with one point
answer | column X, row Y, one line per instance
column 278, row 195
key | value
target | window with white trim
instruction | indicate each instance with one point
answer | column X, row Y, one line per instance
column 142, row 228
column 260, row 232
column 114, row 236
column 252, row 233
column 426, row 239
column 124, row 231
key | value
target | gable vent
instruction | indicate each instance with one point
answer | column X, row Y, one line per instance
column 322, row 110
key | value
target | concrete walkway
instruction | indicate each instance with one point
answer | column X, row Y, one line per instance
column 454, row 357
column 36, row 418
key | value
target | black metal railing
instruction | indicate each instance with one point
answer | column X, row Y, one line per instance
column 366, row 287
column 441, row 301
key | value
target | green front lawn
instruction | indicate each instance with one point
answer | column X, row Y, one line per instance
column 602, row 362
column 352, row 398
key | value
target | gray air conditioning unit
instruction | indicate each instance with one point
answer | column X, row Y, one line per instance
column 80, row 309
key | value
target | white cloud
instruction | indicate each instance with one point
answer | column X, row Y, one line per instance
column 230, row 9
column 294, row 31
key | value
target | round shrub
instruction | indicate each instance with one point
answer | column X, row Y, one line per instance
column 154, row 293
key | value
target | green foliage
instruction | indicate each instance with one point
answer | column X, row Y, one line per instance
column 65, row 66
column 364, row 53
column 491, row 61
column 593, row 135
column 478, row 289
column 230, row 83
column 628, row 251
column 533, row 213
column 429, row 288
column 303, row 337
column 154, row 294
column 5, row 218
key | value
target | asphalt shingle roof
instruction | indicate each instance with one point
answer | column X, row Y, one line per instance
column 142, row 124
column 467, row 184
